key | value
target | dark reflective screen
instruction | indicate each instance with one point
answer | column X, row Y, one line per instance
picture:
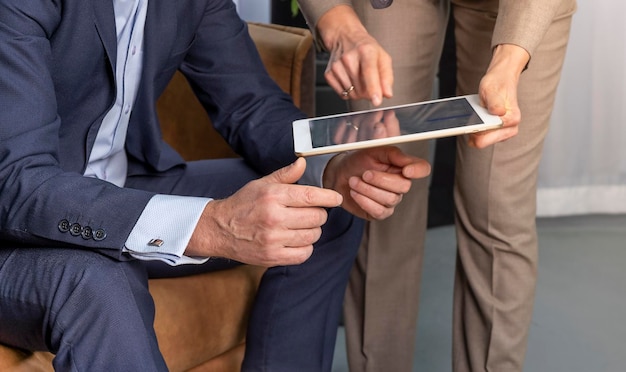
column 393, row 122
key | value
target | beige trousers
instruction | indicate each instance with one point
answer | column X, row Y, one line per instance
column 494, row 196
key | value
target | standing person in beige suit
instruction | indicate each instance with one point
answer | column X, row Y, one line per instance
column 511, row 53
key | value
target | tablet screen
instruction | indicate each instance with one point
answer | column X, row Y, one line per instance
column 411, row 119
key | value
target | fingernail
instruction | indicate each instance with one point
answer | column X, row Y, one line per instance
column 352, row 182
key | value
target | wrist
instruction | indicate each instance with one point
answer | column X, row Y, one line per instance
column 204, row 239
column 338, row 22
column 509, row 58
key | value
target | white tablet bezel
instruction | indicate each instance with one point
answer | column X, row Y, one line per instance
column 303, row 143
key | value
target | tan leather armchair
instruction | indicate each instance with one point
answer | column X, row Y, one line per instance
column 201, row 320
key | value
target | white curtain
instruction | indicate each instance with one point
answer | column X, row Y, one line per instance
column 583, row 169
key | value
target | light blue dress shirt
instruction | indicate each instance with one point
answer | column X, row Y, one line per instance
column 167, row 223
column 108, row 160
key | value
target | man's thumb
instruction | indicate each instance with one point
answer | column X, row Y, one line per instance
column 289, row 174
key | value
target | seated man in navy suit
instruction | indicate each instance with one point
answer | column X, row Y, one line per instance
column 93, row 202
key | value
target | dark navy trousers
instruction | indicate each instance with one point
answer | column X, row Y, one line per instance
column 96, row 313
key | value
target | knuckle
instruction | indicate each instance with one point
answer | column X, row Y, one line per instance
column 267, row 239
column 323, row 217
column 303, row 254
column 336, row 66
column 367, row 48
column 397, row 199
column 379, row 213
column 271, row 220
column 312, row 235
column 403, row 188
column 307, row 195
column 386, row 212
column 346, row 58
column 312, row 196
column 268, row 219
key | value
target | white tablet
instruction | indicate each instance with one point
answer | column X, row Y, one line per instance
column 392, row 125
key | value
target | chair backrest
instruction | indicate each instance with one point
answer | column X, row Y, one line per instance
column 289, row 57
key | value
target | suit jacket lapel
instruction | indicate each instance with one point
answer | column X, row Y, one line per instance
column 160, row 33
column 104, row 18
column 159, row 37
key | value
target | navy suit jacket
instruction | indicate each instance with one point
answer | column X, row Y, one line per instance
column 57, row 59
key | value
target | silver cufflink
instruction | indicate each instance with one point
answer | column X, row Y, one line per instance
column 155, row 242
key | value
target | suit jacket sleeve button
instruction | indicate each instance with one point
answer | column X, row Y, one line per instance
column 99, row 234
column 76, row 229
column 87, row 233
column 64, row 226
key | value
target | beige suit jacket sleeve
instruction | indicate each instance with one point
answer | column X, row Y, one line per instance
column 522, row 22
column 519, row 22
column 314, row 9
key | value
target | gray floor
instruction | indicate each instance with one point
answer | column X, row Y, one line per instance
column 579, row 320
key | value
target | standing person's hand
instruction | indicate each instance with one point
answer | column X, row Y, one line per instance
column 373, row 181
column 359, row 68
column 498, row 93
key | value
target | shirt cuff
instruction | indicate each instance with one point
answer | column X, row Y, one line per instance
column 164, row 229
column 314, row 171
